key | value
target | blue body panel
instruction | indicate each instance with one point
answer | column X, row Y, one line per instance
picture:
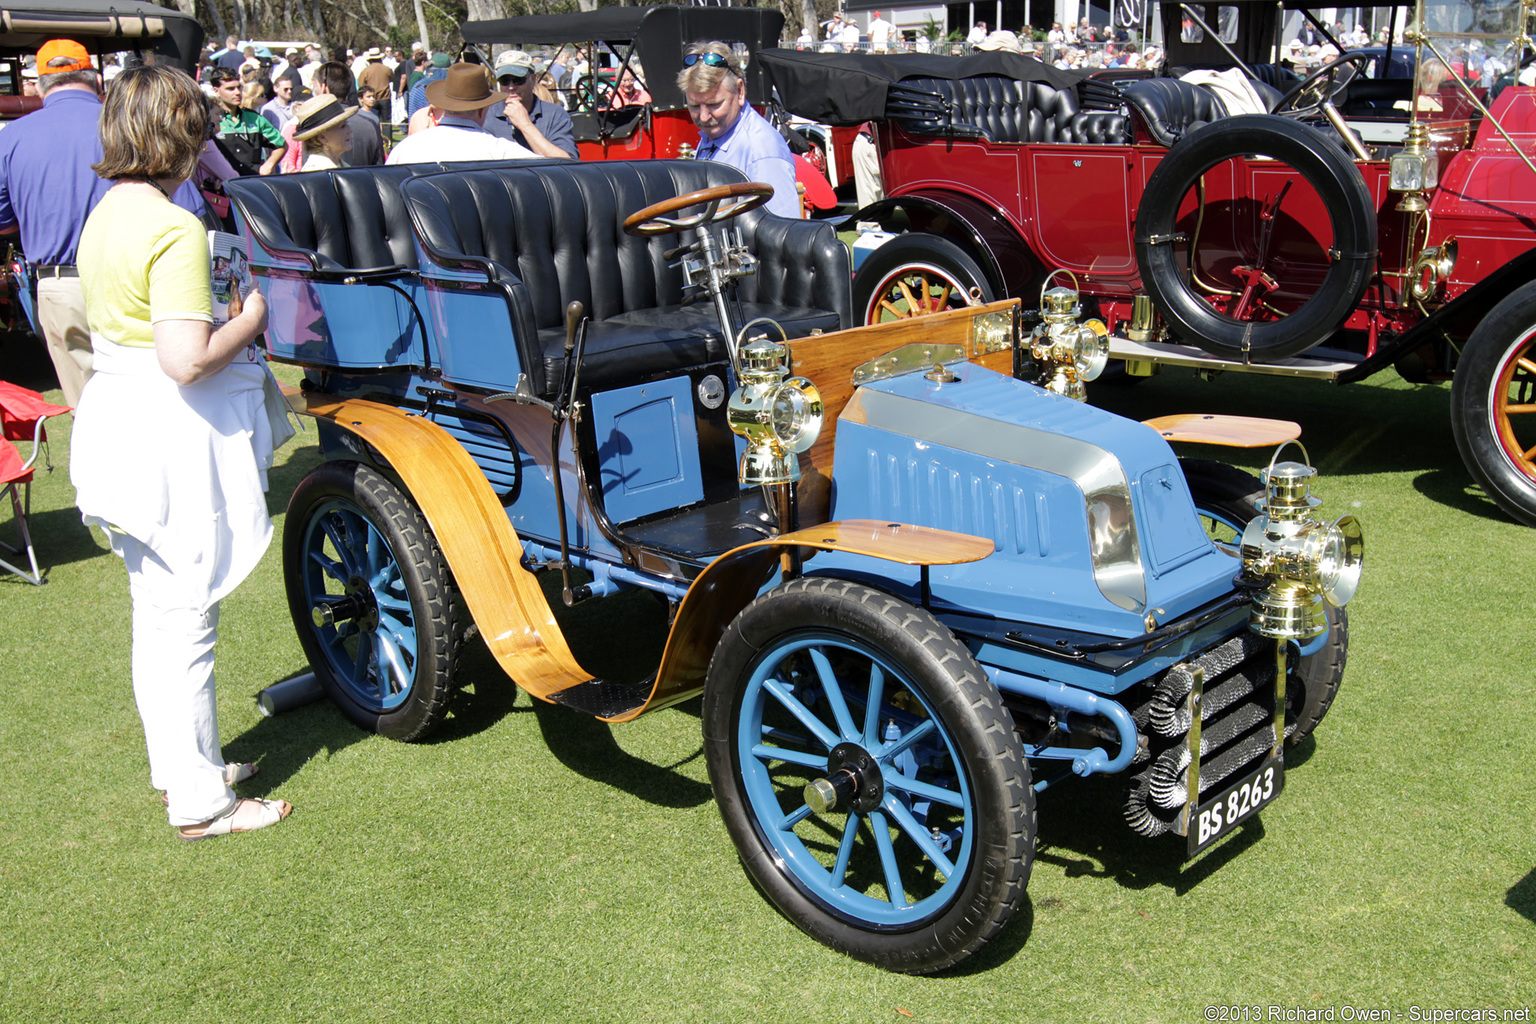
column 349, row 327
column 313, row 321
column 462, row 305
column 975, row 456
column 648, row 448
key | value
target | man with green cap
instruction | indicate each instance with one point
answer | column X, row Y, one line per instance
column 437, row 70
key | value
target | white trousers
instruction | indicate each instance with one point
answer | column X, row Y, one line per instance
column 173, row 687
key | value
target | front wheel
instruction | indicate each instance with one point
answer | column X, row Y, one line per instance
column 1493, row 405
column 372, row 600
column 915, row 275
column 1226, row 499
column 868, row 774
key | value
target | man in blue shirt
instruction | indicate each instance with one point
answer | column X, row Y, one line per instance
column 542, row 126
column 47, row 188
column 435, row 73
column 730, row 131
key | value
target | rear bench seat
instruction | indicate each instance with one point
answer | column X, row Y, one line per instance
column 1000, row 109
column 312, row 232
column 545, row 235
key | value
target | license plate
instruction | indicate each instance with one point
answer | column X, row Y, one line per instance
column 1236, row 804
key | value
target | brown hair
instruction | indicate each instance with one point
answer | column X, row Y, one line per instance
column 153, row 124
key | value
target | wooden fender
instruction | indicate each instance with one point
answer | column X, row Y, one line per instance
column 472, row 529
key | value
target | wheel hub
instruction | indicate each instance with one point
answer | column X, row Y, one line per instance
column 853, row 781
column 357, row 606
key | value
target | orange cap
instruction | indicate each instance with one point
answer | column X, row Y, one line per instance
column 56, row 48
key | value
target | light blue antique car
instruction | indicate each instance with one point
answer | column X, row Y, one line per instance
column 913, row 586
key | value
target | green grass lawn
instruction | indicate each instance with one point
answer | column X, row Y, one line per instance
column 532, row 864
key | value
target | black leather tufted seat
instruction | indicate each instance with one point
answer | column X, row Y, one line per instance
column 1000, row 109
column 1099, row 128
column 1170, row 108
column 550, row 234
column 352, row 218
column 1276, row 76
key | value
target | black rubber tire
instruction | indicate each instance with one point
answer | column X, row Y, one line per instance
column 914, row 252
column 971, row 717
column 428, row 585
column 1486, row 441
column 1230, row 497
column 1350, row 210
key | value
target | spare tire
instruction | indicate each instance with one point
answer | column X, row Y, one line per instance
column 1324, row 166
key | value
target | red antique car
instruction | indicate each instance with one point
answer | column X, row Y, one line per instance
column 1347, row 224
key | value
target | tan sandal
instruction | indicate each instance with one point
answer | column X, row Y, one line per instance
column 238, row 772
column 247, row 815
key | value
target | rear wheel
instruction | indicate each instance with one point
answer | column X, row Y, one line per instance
column 915, row 275
column 372, row 600
column 1493, row 405
column 924, row 851
column 1227, row 499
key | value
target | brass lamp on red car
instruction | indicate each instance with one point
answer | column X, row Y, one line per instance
column 1303, row 560
column 779, row 418
column 1071, row 352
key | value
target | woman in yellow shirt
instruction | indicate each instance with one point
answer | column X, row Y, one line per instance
column 171, row 441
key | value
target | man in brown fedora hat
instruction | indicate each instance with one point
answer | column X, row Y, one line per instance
column 464, row 95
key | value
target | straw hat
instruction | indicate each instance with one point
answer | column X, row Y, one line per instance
column 464, row 88
column 315, row 115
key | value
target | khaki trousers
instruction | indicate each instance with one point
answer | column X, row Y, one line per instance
column 61, row 316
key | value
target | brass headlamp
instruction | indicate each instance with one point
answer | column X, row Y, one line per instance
column 778, row 417
column 1303, row 560
column 1070, row 352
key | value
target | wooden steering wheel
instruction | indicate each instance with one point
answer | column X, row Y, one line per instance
column 656, row 219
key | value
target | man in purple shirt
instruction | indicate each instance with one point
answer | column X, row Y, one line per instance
column 47, row 188
column 730, row 131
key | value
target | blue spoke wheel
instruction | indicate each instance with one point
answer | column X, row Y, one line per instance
column 869, row 774
column 1226, row 499
column 372, row 599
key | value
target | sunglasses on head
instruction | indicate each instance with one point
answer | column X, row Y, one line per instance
column 713, row 60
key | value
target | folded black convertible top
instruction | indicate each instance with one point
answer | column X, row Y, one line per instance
column 850, row 88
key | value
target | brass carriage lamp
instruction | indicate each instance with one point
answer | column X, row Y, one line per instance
column 1071, row 352
column 1303, row 561
column 778, row 417
column 1415, row 169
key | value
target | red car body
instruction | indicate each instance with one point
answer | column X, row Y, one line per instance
column 1245, row 242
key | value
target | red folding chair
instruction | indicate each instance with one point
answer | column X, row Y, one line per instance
column 22, row 415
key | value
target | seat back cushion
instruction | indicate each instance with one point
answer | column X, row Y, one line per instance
column 560, row 230
column 295, row 213
column 1002, row 109
column 353, row 217
column 1171, row 108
